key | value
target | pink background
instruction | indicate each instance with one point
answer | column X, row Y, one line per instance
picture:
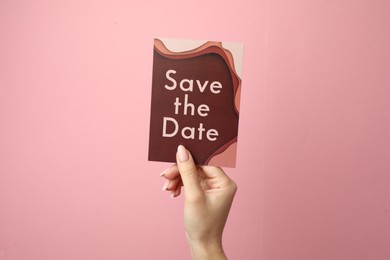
column 313, row 165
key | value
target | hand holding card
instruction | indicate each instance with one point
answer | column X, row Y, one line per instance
column 208, row 191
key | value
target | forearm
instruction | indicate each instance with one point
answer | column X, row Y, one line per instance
column 207, row 251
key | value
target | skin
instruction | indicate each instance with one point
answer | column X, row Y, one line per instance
column 209, row 194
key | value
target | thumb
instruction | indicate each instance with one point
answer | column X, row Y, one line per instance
column 188, row 173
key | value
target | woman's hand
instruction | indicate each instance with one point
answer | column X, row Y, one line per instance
column 209, row 194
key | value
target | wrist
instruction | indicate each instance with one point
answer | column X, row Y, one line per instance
column 212, row 250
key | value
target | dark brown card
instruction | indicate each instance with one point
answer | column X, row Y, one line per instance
column 195, row 100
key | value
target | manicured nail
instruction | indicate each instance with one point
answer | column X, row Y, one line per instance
column 182, row 153
column 163, row 173
column 165, row 185
column 172, row 194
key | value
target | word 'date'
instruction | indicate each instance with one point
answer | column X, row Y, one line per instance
column 188, row 132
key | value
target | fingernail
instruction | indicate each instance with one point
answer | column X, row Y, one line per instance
column 182, row 153
column 172, row 194
column 163, row 173
column 165, row 185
